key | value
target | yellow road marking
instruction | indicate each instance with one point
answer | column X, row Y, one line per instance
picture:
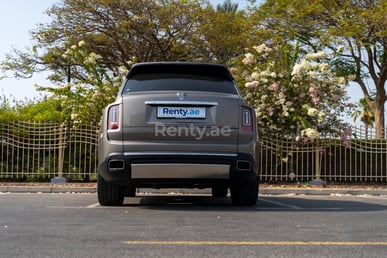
column 255, row 243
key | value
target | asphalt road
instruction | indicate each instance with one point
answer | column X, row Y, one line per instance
column 74, row 225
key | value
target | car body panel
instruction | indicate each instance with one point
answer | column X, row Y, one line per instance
column 186, row 133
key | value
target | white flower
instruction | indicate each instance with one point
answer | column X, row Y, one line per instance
column 92, row 58
column 81, row 43
column 324, row 68
column 106, row 83
column 255, row 76
column 262, row 49
column 316, row 56
column 299, row 69
column 282, row 95
column 312, row 112
column 118, row 79
column 74, row 116
column 68, row 52
column 321, row 116
column 249, row 59
column 265, row 73
column 232, row 69
column 342, row 81
column 310, row 133
column 123, row 70
column 253, row 84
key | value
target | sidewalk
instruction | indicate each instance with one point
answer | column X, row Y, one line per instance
column 14, row 187
column 267, row 189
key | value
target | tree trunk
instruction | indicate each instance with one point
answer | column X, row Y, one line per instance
column 379, row 117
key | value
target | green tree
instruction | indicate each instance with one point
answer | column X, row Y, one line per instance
column 365, row 114
column 227, row 7
column 83, row 100
column 89, row 45
column 222, row 33
column 354, row 30
column 43, row 110
column 116, row 30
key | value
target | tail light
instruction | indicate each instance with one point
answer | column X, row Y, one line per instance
column 113, row 118
column 247, row 119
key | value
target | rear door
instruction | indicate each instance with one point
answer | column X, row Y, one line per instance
column 180, row 109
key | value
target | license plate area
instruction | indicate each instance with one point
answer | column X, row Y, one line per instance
column 176, row 112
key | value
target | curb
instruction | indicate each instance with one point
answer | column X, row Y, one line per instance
column 46, row 189
column 263, row 190
column 274, row 191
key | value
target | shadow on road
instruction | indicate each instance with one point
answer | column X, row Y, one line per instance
column 266, row 203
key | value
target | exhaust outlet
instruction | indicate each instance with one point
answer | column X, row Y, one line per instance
column 116, row 164
column 243, row 165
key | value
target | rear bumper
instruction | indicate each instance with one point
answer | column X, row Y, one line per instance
column 159, row 170
column 179, row 170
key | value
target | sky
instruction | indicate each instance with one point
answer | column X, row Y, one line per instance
column 17, row 23
column 15, row 30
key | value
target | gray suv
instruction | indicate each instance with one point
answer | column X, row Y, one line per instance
column 178, row 125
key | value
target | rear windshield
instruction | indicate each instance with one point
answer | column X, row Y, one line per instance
column 180, row 78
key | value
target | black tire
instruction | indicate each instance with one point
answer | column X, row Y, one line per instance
column 109, row 194
column 130, row 191
column 246, row 194
column 219, row 191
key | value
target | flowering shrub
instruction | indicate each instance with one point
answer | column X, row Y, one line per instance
column 85, row 97
column 298, row 98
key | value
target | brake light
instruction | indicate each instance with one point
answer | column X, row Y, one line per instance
column 247, row 119
column 113, row 118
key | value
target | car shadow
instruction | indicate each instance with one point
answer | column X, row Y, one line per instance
column 264, row 204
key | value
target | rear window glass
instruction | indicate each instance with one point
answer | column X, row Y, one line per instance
column 179, row 78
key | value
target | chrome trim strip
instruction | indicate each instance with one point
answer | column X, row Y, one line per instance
column 142, row 153
column 194, row 103
column 180, row 170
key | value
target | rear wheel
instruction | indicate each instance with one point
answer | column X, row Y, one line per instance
column 130, row 191
column 219, row 191
column 245, row 194
column 108, row 193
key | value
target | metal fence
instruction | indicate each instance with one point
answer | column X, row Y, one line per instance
column 39, row 151
column 362, row 159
